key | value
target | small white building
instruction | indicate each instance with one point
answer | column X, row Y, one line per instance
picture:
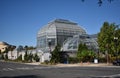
column 13, row 55
column 42, row 55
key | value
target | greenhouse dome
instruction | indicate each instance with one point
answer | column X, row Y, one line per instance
column 56, row 32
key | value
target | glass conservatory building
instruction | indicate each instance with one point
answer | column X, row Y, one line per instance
column 56, row 32
column 71, row 44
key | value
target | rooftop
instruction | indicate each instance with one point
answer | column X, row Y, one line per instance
column 64, row 21
column 3, row 43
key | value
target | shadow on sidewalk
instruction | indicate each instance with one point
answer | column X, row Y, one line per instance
column 24, row 76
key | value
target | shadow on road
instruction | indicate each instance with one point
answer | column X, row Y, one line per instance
column 24, row 76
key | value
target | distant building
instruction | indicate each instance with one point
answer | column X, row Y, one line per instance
column 3, row 46
column 56, row 32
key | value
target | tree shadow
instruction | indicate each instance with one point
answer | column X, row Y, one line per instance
column 23, row 76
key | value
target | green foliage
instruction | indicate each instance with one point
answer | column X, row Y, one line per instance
column 6, row 56
column 118, row 41
column 30, row 56
column 82, row 47
column 0, row 52
column 73, row 60
column 106, row 38
column 102, row 60
column 6, row 50
column 84, row 54
column 81, row 53
column 29, row 47
column 1, row 56
column 26, row 57
column 19, row 58
column 55, row 55
column 36, row 57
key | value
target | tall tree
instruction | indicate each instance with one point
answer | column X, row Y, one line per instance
column 106, row 39
column 55, row 55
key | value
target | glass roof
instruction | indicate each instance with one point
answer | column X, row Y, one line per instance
column 72, row 44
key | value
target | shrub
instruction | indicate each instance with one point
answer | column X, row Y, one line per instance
column 73, row 60
column 36, row 57
column 19, row 58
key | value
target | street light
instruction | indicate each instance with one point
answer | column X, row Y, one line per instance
column 115, row 39
column 49, row 44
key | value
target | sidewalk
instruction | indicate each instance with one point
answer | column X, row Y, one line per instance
column 84, row 64
column 74, row 65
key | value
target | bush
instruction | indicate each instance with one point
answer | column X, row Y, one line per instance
column 36, row 57
column 102, row 59
column 73, row 60
column 19, row 58
column 46, row 62
column 6, row 57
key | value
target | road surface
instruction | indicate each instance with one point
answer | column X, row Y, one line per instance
column 18, row 70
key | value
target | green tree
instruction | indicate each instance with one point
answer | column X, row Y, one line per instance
column 30, row 56
column 29, row 47
column 106, row 37
column 2, row 56
column 26, row 57
column 19, row 58
column 106, row 40
column 36, row 57
column 6, row 56
column 84, row 54
column 91, row 55
column 118, row 42
column 55, row 55
column 82, row 48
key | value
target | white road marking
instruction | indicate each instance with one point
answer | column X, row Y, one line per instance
column 7, row 69
column 107, row 76
column 29, row 68
column 24, row 68
column 115, row 76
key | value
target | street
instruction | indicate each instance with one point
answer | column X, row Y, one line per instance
column 19, row 70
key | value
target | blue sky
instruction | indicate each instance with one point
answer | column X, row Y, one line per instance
column 20, row 20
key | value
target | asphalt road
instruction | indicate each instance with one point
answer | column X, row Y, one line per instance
column 18, row 70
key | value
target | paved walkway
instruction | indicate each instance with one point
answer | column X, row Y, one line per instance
column 73, row 65
column 83, row 64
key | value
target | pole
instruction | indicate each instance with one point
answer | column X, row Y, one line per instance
column 116, row 38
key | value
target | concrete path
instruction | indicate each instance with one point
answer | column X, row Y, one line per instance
column 73, row 65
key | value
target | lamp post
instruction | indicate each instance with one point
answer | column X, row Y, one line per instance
column 49, row 44
column 116, row 39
